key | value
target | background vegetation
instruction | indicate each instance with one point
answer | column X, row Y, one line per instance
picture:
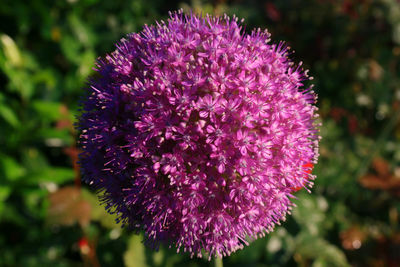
column 47, row 51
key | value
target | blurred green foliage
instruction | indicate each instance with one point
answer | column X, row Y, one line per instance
column 47, row 52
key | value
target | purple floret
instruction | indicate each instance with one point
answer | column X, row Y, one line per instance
column 198, row 134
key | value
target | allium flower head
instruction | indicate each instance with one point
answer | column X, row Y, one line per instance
column 198, row 134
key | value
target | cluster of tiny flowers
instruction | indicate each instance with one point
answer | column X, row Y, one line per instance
column 198, row 134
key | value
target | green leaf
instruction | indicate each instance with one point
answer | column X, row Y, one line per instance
column 312, row 247
column 70, row 48
column 47, row 110
column 56, row 175
column 99, row 212
column 4, row 192
column 310, row 212
column 320, row 262
column 9, row 115
column 11, row 168
column 135, row 255
column 34, row 160
column 46, row 76
column 81, row 30
column 87, row 62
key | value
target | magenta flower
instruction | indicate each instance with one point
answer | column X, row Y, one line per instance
column 198, row 134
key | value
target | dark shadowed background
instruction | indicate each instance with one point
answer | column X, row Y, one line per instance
column 47, row 51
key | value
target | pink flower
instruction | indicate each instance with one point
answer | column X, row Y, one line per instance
column 198, row 134
column 209, row 107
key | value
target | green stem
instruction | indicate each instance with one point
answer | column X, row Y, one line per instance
column 218, row 262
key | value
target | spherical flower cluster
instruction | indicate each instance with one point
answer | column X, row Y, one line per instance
column 198, row 134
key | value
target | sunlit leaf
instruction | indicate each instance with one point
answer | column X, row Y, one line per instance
column 135, row 255
column 98, row 212
column 11, row 50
